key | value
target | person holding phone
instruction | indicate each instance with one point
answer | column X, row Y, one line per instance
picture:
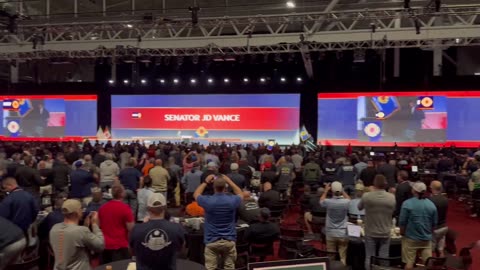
column 220, row 232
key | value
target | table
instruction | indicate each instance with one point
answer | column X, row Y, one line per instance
column 181, row 264
column 356, row 252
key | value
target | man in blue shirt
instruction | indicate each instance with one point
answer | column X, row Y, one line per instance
column 81, row 181
column 131, row 178
column 418, row 217
column 337, row 218
column 220, row 211
column 19, row 206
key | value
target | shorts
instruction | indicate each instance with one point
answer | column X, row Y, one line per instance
column 439, row 238
column 410, row 248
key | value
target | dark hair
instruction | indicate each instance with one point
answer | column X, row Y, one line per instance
column 403, row 175
column 380, row 181
column 147, row 181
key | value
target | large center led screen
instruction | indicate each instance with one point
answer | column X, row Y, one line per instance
column 48, row 117
column 207, row 118
column 405, row 118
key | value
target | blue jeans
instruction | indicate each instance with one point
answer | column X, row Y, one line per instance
column 374, row 244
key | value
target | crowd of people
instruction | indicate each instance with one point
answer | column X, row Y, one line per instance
column 113, row 201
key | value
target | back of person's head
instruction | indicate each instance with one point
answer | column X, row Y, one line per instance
column 171, row 160
column 72, row 209
column 131, row 162
column 87, row 158
column 402, row 175
column 436, row 187
column 219, row 185
column 158, row 162
column 307, row 189
column 28, row 160
column 337, row 188
column 320, row 191
column 370, row 163
column 392, row 162
column 42, row 165
column 267, row 186
column 380, row 182
column 147, row 181
column 9, row 183
column 156, row 204
column 264, row 214
column 118, row 192
column 109, row 156
column 234, row 167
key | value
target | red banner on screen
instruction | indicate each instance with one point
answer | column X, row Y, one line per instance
column 209, row 118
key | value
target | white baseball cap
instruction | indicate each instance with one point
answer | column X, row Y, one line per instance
column 156, row 200
column 337, row 187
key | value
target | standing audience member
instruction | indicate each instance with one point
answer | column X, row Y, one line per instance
column 54, row 217
column 220, row 227
column 389, row 170
column 28, row 177
column 236, row 177
column 116, row 221
column 81, row 181
column 353, row 211
column 346, row 176
column 72, row 244
column 314, row 212
column 311, row 174
column 269, row 197
column 109, row 171
column 337, row 218
column 97, row 201
column 403, row 191
column 441, row 203
column 160, row 177
column 329, row 171
column 143, row 195
column 248, row 210
column 379, row 206
column 131, row 179
column 190, row 181
column 368, row 174
column 156, row 242
column 418, row 218
column 61, row 172
column 263, row 231
column 12, row 242
column 20, row 207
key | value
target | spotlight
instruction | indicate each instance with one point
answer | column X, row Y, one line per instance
column 129, row 25
column 458, row 40
column 193, row 81
column 210, row 80
column 162, row 81
column 283, row 79
column 126, row 81
column 262, row 80
column 175, row 81
column 291, row 4
column 143, row 81
column 226, row 80
column 246, row 80
column 111, row 81
column 299, row 79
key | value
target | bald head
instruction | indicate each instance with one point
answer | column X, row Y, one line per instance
column 436, row 187
column 9, row 184
column 219, row 185
column 158, row 162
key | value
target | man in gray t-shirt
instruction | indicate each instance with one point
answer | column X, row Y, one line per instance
column 379, row 206
column 72, row 243
column 337, row 218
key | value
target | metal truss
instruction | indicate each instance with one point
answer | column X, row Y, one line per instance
column 322, row 31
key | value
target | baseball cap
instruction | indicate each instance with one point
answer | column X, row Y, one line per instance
column 419, row 187
column 212, row 164
column 78, row 164
column 337, row 187
column 71, row 206
column 156, row 200
column 234, row 166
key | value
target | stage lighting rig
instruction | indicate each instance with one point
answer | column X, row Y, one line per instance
column 194, row 11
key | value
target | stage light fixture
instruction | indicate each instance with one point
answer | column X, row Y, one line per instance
column 143, row 81
column 126, row 81
column 291, row 4
column 162, row 81
column 299, row 79
column 210, row 80
column 246, row 80
column 262, row 80
column 111, row 81
column 193, row 81
column 176, row 81
column 129, row 25
column 283, row 79
column 226, row 80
